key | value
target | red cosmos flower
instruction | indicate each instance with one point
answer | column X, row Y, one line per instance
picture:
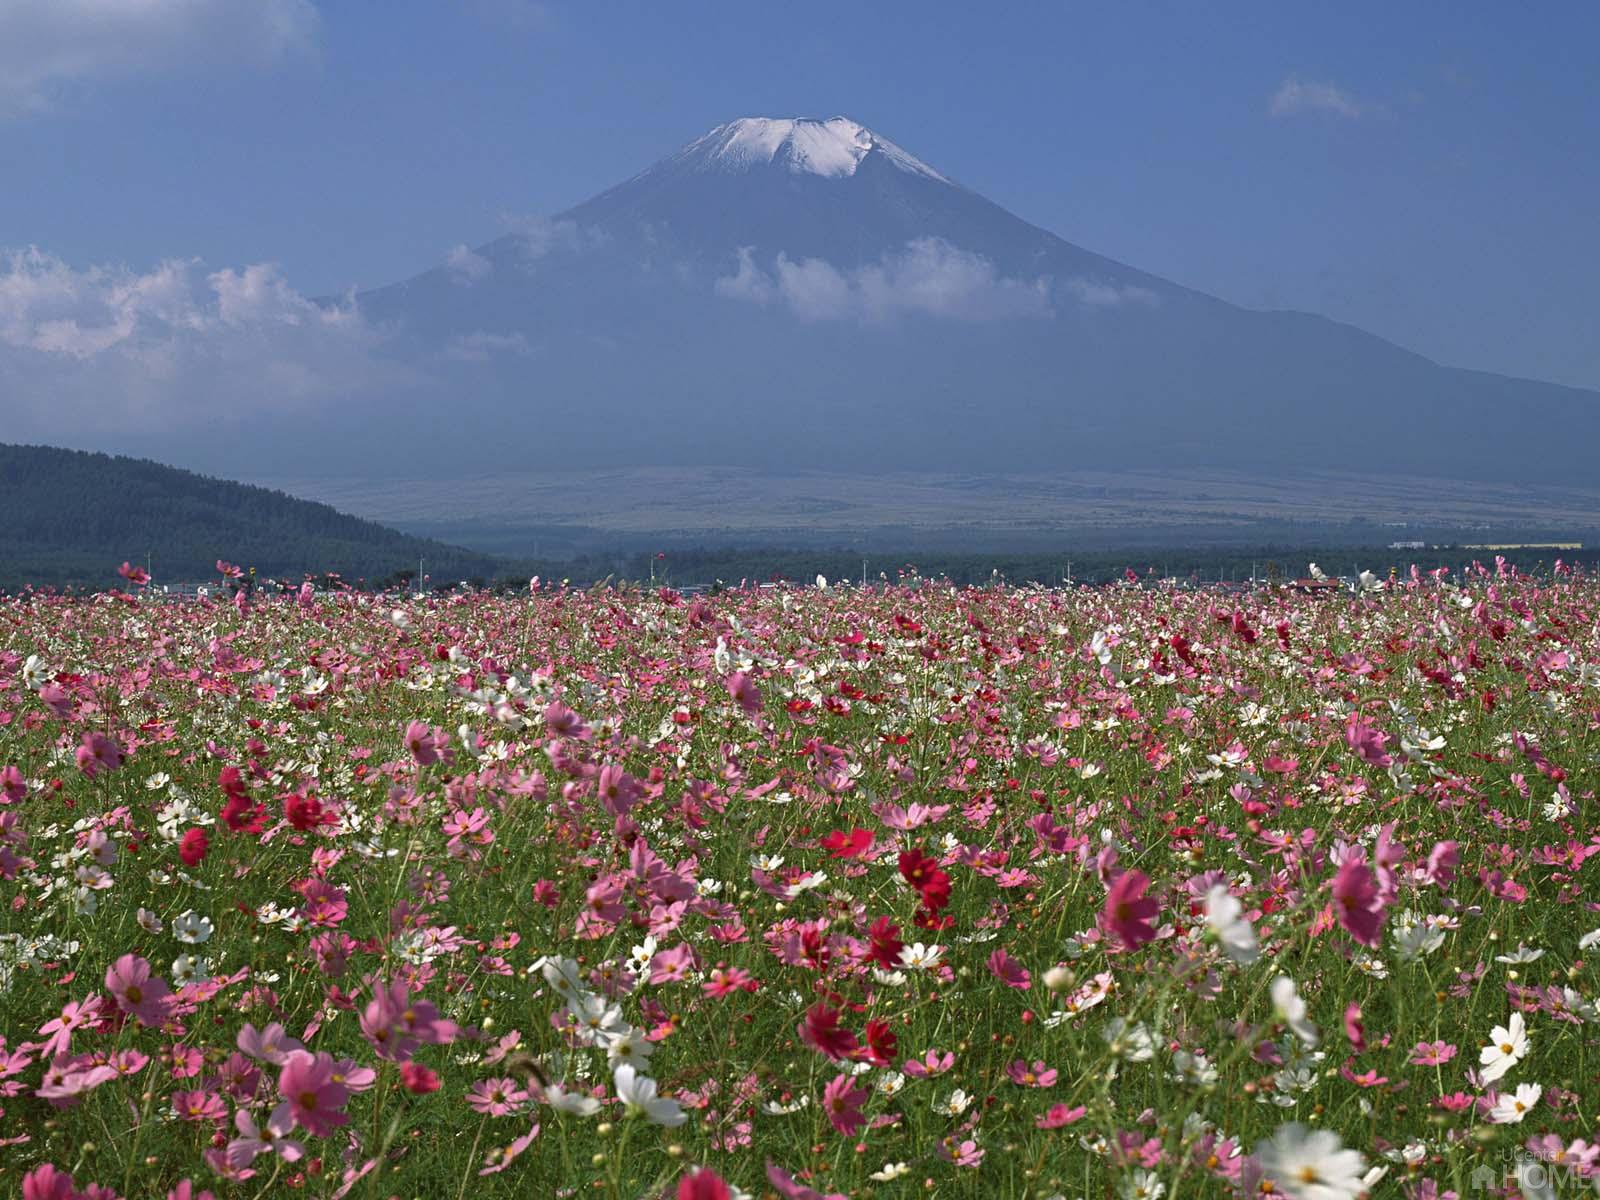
column 881, row 1043
column 703, row 1184
column 855, row 844
column 192, row 849
column 922, row 871
column 1128, row 910
column 822, row 1032
column 418, row 1078
column 303, row 812
column 886, row 944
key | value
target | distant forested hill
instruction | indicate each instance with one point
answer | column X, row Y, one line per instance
column 67, row 517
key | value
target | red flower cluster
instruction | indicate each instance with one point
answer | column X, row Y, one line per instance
column 922, row 872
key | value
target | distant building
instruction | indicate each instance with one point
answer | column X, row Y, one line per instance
column 1408, row 545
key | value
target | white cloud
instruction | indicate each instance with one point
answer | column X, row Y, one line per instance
column 1099, row 294
column 539, row 236
column 1296, row 95
column 749, row 282
column 929, row 276
column 479, row 346
column 468, row 267
column 111, row 348
column 49, row 46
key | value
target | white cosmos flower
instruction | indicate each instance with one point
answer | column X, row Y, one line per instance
column 1224, row 916
column 1131, row 1041
column 1510, row 1108
column 192, row 929
column 1291, row 1009
column 1522, row 954
column 189, row 968
column 558, row 1098
column 1508, row 1045
column 627, row 1045
column 891, row 1171
column 921, row 958
column 638, row 1092
column 953, row 1105
column 1309, row 1164
column 148, row 921
column 1589, row 940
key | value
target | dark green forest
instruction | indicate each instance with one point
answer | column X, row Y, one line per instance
column 69, row 517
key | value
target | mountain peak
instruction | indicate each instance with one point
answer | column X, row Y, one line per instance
column 833, row 149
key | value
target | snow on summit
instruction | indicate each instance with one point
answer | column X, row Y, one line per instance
column 832, row 149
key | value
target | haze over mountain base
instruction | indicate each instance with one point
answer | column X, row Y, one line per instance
column 547, row 511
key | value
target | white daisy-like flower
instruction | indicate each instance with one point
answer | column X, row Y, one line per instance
column 1510, row 1107
column 1224, row 917
column 192, row 929
column 639, row 1093
column 1508, row 1045
column 1291, row 1009
column 919, row 957
column 1309, row 1164
column 891, row 1171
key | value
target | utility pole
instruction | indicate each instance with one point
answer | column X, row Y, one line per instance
column 863, row 574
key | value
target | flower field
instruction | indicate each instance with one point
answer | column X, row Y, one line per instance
column 803, row 892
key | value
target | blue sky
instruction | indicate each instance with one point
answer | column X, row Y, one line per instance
column 1428, row 171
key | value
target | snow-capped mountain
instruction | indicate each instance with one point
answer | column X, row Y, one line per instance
column 785, row 292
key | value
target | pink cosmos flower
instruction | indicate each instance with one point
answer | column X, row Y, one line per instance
column 842, row 1101
column 271, row 1137
column 75, row 1014
column 1009, row 971
column 418, row 1079
column 47, row 1183
column 1432, row 1054
column 789, row 1189
column 1036, row 1076
column 496, row 1097
column 428, row 745
column 499, row 1160
column 271, row 1045
column 314, row 1101
column 618, row 791
column 98, row 753
column 1059, row 1114
column 703, row 1183
column 1356, row 902
column 961, row 1153
column 1353, row 1028
column 142, row 996
column 932, row 1063
column 1128, row 910
column 743, row 689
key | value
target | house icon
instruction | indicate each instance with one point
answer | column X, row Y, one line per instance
column 1482, row 1178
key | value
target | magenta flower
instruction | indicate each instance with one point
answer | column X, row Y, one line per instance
column 842, row 1101
column 1036, row 1076
column 1432, row 1054
column 1128, row 911
column 1009, row 971
column 313, row 1099
column 428, row 745
column 75, row 1014
column 496, row 1097
column 1059, row 1114
column 743, row 689
column 142, row 996
column 1356, row 902
column 98, row 753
